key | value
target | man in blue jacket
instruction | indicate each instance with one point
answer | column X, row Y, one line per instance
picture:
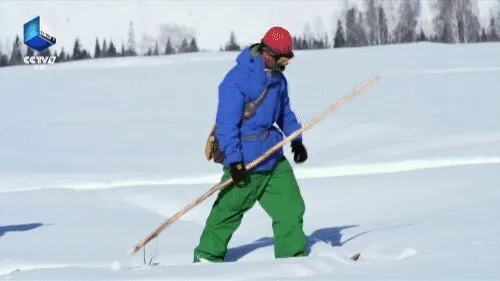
column 243, row 136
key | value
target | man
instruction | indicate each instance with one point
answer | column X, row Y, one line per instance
column 257, row 76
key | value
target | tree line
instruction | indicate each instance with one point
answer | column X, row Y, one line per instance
column 102, row 49
column 454, row 21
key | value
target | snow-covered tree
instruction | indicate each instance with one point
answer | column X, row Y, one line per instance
column 383, row 27
column 131, row 44
column 406, row 29
column 350, row 28
column 147, row 42
column 467, row 17
column 372, row 22
column 175, row 33
column 445, row 21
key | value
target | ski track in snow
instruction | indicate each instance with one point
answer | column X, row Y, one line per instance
column 301, row 173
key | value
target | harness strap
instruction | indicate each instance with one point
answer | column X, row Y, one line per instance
column 264, row 134
column 251, row 107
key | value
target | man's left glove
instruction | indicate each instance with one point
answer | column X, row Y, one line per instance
column 300, row 152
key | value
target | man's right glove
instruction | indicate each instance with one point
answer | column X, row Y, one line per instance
column 238, row 172
column 299, row 151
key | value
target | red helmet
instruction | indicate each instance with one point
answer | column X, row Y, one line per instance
column 279, row 41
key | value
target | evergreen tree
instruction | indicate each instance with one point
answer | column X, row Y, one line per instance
column 484, row 36
column 104, row 51
column 232, row 45
column 45, row 53
column 355, row 29
column 444, row 21
column 372, row 22
column 62, row 56
column 305, row 44
column 85, row 54
column 360, row 30
column 350, row 27
column 4, row 60
column 156, row 51
column 168, row 48
column 409, row 11
column 183, row 48
column 30, row 52
column 421, row 36
column 492, row 35
column 460, row 27
column 56, row 55
column 77, row 51
column 193, row 46
column 383, row 27
column 16, row 56
column 131, row 45
column 122, row 53
column 308, row 35
column 112, row 50
column 339, row 40
column 467, row 18
column 296, row 43
column 97, row 49
column 150, row 52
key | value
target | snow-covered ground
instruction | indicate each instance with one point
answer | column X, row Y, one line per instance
column 96, row 154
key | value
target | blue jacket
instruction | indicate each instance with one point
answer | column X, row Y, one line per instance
column 243, row 83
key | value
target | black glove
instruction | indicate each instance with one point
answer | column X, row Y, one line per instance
column 238, row 172
column 299, row 150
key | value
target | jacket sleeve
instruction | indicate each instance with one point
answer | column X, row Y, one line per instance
column 229, row 113
column 287, row 121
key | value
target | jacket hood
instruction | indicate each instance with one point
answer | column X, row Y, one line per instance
column 247, row 58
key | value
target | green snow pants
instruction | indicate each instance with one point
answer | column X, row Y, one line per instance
column 277, row 192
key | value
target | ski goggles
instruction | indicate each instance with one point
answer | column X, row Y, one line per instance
column 281, row 59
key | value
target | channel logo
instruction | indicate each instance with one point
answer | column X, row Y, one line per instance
column 39, row 40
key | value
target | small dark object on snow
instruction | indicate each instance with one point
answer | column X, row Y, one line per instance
column 356, row 256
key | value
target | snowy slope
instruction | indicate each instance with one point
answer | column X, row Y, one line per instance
column 96, row 154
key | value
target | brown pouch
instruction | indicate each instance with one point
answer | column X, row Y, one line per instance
column 212, row 148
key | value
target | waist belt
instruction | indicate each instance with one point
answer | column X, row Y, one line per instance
column 263, row 135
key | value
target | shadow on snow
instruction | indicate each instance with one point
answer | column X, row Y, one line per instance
column 18, row 227
column 329, row 235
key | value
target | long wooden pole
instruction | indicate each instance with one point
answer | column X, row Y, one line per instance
column 332, row 107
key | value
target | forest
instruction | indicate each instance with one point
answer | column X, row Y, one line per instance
column 453, row 21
